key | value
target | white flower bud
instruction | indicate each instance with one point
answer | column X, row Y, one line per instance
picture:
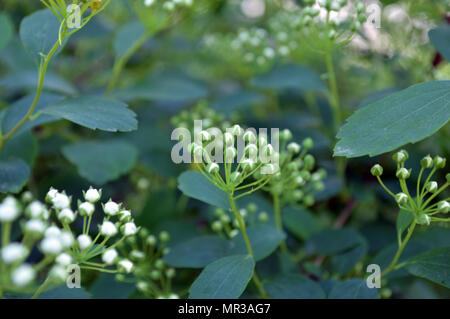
column 431, row 186
column 125, row 216
column 251, row 151
column 229, row 138
column 234, row 233
column 92, row 195
column 213, row 168
column 108, row 229
column 61, row 201
column 230, row 153
column 58, row 273
column 14, row 252
column 293, row 147
column 35, row 209
column 23, row 275
column 129, row 229
column 248, row 165
column 423, row 219
column 403, row 173
column 51, row 195
column 427, row 162
column 250, row 137
column 8, row 212
column 235, row 177
column 51, row 246
column 439, row 162
column 86, row 209
column 205, row 136
column 376, row 170
column 84, row 241
column 268, row 150
column 66, row 239
column 64, row 259
column 110, row 256
column 443, row 207
column 35, row 227
column 401, row 198
column 66, row 216
column 111, row 208
column 125, row 266
column 52, row 231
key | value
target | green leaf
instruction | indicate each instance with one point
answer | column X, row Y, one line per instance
column 126, row 37
column 352, row 289
column 263, row 238
column 404, row 117
column 433, row 265
column 197, row 252
column 301, row 222
column 404, row 219
column 332, row 241
column 344, row 262
column 16, row 111
column 39, row 32
column 27, row 80
column 23, row 146
column 194, row 184
column 14, row 173
column 237, row 101
column 293, row 286
column 440, row 37
column 63, row 292
column 290, row 76
column 225, row 278
column 107, row 287
column 6, row 30
column 101, row 161
column 95, row 113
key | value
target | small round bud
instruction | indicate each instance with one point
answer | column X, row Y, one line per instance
column 234, row 233
column 111, row 208
column 92, row 195
column 13, row 253
column 108, row 229
column 426, row 162
column 35, row 227
column 293, row 148
column 51, row 246
column 61, row 201
column 109, row 256
column 443, row 207
column 248, row 165
column 159, row 264
column 84, row 241
column 155, row 274
column 230, row 153
column 66, row 216
column 51, row 195
column 308, row 200
column 86, row 209
column 213, row 168
column 228, row 138
column 125, row 216
column 403, row 173
column 309, row 162
column 401, row 198
column 64, row 259
column 170, row 273
column 250, row 137
column 400, row 157
column 125, row 266
column 164, row 236
column 151, row 240
column 423, row 219
column 216, row 226
column 205, row 136
column 251, row 151
column 439, row 162
column 308, row 143
column 376, row 170
column 129, row 229
column 237, row 130
column 431, row 186
column 252, row 208
column 263, row 217
column 235, row 177
column 23, row 275
column 285, row 135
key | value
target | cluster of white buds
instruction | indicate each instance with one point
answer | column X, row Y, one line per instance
column 145, row 251
column 169, row 5
column 420, row 205
column 201, row 111
column 296, row 181
column 227, row 226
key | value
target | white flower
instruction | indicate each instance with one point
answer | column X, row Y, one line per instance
column 35, row 209
column 86, row 209
column 66, row 216
column 66, row 239
column 108, row 229
column 64, row 259
column 293, row 147
column 14, row 252
column 110, row 256
column 8, row 212
column 92, row 195
column 51, row 246
column 58, row 272
column 51, row 194
column 52, row 231
column 269, row 52
column 129, row 229
column 111, row 208
column 61, row 201
column 125, row 266
column 23, row 275
column 35, row 226
column 84, row 241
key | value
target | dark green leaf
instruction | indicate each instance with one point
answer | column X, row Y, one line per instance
column 95, row 113
column 290, row 76
column 63, row 292
column 101, row 161
column 293, row 286
column 332, row 241
column 126, row 37
column 195, row 185
column 344, row 262
column 405, row 117
column 263, row 238
column 404, row 219
column 14, row 173
column 107, row 287
column 225, row 278
column 301, row 222
column 353, row 289
column 39, row 32
column 237, row 101
column 23, row 146
column 440, row 37
column 433, row 265
column 197, row 252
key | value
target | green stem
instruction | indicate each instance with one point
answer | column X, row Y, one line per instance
column 334, row 94
column 41, row 288
column 393, row 264
column 6, row 233
column 278, row 220
column 241, row 223
column 120, row 63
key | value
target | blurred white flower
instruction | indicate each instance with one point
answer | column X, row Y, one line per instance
column 13, row 252
column 23, row 275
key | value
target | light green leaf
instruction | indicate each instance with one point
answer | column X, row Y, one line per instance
column 290, row 76
column 353, row 289
column 263, row 238
column 197, row 252
column 39, row 32
column 405, row 117
column 14, row 173
column 127, row 36
column 293, row 286
column 301, row 222
column 6, row 30
column 225, row 278
column 194, row 184
column 101, row 161
column 95, row 113
column 433, row 265
column 440, row 37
